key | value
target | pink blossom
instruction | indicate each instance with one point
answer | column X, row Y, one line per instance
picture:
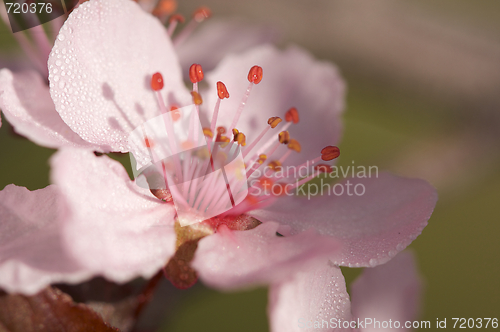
column 99, row 72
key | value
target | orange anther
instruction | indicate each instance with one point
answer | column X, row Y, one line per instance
column 165, row 7
column 202, row 14
column 330, row 152
column 208, row 132
column 292, row 115
column 255, row 74
column 262, row 158
column 222, row 91
column 157, row 82
column 240, row 138
column 176, row 17
column 195, row 73
column 196, row 98
column 274, row 121
column 284, row 137
column 274, row 165
column 323, row 168
column 294, row 145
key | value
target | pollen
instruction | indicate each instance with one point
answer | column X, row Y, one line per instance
column 330, row 153
column 208, row 132
column 292, row 115
column 294, row 145
column 274, row 166
column 262, row 158
column 255, row 74
column 196, row 98
column 284, row 137
column 274, row 121
column 157, row 82
column 196, row 73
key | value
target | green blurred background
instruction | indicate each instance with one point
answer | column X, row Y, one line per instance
column 423, row 101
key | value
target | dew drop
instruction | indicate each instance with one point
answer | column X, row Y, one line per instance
column 373, row 262
column 61, row 37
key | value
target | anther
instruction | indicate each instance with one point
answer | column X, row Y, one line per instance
column 255, row 74
column 330, row 153
column 196, row 98
column 274, row 121
column 284, row 137
column 176, row 18
column 240, row 138
column 148, row 142
column 279, row 189
column 221, row 130
column 294, row 145
column 164, row 8
column 202, row 14
column 323, row 168
column 262, row 158
column 292, row 115
column 265, row 183
column 208, row 132
column 195, row 73
column 222, row 91
column 274, row 165
column 157, row 82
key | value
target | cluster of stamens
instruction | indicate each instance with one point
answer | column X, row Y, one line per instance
column 266, row 175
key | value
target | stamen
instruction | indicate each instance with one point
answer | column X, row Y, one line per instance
column 195, row 73
column 329, row 153
column 294, row 145
column 208, row 132
column 197, row 100
column 292, row 115
column 240, row 138
column 199, row 15
column 284, row 137
column 255, row 74
column 254, row 77
column 222, row 90
column 275, row 165
column 272, row 122
column 157, row 82
column 173, row 21
column 164, row 8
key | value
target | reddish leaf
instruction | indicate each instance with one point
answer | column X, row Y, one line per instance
column 48, row 311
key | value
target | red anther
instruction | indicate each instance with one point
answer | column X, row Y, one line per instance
column 255, row 75
column 330, row 152
column 148, row 142
column 292, row 115
column 284, row 137
column 294, row 145
column 222, row 91
column 202, row 14
column 196, row 98
column 175, row 113
column 323, row 168
column 195, row 73
column 157, row 82
column 274, row 121
column 176, row 17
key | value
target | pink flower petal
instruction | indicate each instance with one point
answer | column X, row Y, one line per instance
column 311, row 300
column 32, row 254
column 115, row 228
column 291, row 78
column 372, row 227
column 26, row 103
column 231, row 259
column 101, row 66
column 217, row 38
column 388, row 292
